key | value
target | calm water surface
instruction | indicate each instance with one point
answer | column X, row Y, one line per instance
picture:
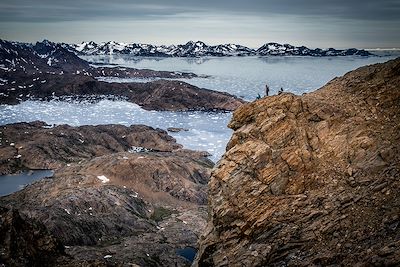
column 246, row 76
column 14, row 182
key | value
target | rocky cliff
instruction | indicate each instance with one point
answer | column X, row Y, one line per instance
column 311, row 180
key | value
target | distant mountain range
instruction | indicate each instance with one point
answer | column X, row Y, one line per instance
column 200, row 49
column 48, row 55
column 18, row 60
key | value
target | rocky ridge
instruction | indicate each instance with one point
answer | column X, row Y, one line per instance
column 119, row 195
column 311, row 180
column 37, row 145
column 156, row 95
column 200, row 49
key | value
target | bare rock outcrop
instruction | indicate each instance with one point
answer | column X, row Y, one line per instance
column 37, row 145
column 119, row 195
column 311, row 180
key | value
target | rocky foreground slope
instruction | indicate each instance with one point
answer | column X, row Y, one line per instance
column 119, row 196
column 311, row 180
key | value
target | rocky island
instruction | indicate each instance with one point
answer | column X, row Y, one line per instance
column 311, row 180
column 47, row 70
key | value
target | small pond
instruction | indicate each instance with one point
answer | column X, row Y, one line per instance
column 13, row 182
column 188, row 253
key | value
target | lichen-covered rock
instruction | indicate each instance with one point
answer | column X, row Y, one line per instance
column 311, row 180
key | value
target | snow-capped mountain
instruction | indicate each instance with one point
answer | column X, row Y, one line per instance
column 275, row 49
column 233, row 50
column 190, row 49
column 200, row 49
column 111, row 48
column 43, row 56
column 18, row 57
column 59, row 55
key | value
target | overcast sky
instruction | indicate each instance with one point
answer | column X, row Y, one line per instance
column 314, row 23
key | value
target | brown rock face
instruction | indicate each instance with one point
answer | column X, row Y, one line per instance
column 311, row 180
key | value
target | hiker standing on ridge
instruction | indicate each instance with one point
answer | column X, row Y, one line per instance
column 266, row 89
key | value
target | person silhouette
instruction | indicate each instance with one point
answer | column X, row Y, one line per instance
column 280, row 91
column 266, row 90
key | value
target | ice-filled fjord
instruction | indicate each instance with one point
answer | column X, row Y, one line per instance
column 245, row 77
column 207, row 131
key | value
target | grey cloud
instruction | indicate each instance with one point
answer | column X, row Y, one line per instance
column 342, row 23
column 52, row 10
column 84, row 10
